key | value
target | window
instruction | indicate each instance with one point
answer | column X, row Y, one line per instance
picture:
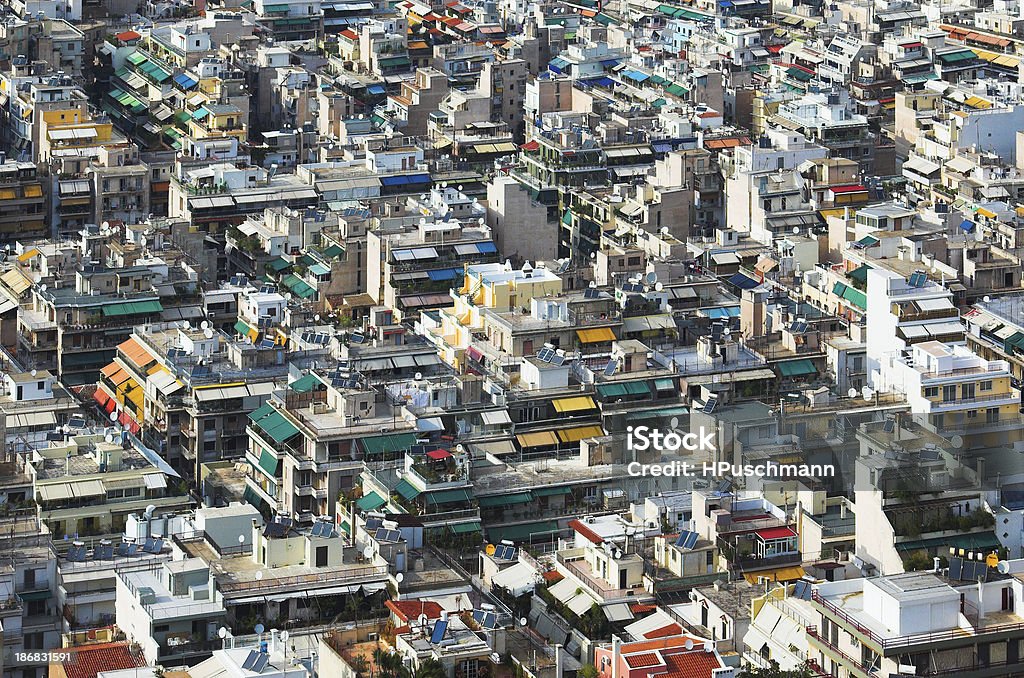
column 931, row 392
column 968, row 391
column 986, row 385
column 634, row 261
column 949, row 393
column 992, row 415
column 972, row 414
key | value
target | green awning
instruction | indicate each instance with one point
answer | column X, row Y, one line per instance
column 676, row 90
column 860, row 274
column 657, row 413
column 1014, row 341
column 388, row 443
column 623, row 388
column 980, row 540
column 36, row 595
column 567, row 218
column 956, row 57
column 273, row 423
column 306, row 383
column 132, row 308
column 868, row 241
column 370, row 502
column 523, row 532
column 465, row 528
column 345, row 527
column 182, row 117
column 506, row 500
column 406, row 489
column 796, row 368
column 665, row 384
column 277, row 265
column 448, row 496
column 395, row 61
column 242, row 328
column 333, row 251
column 552, row 491
column 268, row 462
column 856, row 298
column 838, row 289
column 136, row 58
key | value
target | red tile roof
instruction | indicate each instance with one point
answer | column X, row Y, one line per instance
column 642, row 660
column 407, row 610
column 553, row 576
column 698, row 664
column 642, row 608
column 664, row 632
column 88, row 660
column 586, row 532
column 127, row 36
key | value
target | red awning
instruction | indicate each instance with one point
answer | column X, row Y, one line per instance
column 438, row 455
column 101, row 397
column 776, row 533
column 530, row 146
column 110, row 405
column 849, row 189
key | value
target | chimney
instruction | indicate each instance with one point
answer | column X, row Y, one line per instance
column 558, row 660
column 616, row 655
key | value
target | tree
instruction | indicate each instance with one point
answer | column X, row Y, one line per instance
column 774, row 671
column 430, row 668
column 587, row 671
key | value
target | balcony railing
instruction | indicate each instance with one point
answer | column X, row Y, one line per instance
column 359, row 575
column 865, row 669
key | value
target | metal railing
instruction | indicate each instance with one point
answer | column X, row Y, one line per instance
column 360, row 575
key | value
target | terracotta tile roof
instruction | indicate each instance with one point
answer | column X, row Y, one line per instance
column 553, row 576
column 643, row 660
column 698, row 664
column 586, row 532
column 664, row 632
column 88, row 660
column 642, row 608
column 671, row 643
column 127, row 36
column 408, row 610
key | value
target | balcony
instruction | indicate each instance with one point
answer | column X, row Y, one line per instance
column 855, row 667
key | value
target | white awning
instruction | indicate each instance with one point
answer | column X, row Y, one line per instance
column 943, row 328
column 913, row 331
column 617, row 612
column 940, row 304
column 581, row 603
column 725, row 258
column 54, row 492
column 155, row 481
column 564, row 590
column 31, row 420
column 518, row 579
column 165, row 383
column 429, row 424
column 921, row 166
column 496, row 417
column 88, row 488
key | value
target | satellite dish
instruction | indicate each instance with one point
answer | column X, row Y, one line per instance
column 688, row 644
column 658, row 287
column 593, row 284
column 399, row 577
column 651, row 278
column 796, row 230
column 222, row 632
column 852, row 393
column 868, row 394
column 317, row 317
column 522, row 621
column 113, row 416
column 187, row 325
column 1003, row 567
column 204, row 324
column 284, row 635
column 708, row 646
column 42, row 288
column 109, row 437
column 33, row 372
column 986, row 298
column 259, row 628
column 143, row 242
column 423, row 619
column 241, row 539
column 208, row 333
column 956, row 441
column 618, row 554
column 368, row 552
column 288, row 296
column 259, row 577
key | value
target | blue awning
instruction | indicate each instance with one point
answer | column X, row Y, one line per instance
column 662, row 148
column 743, row 282
column 200, row 113
column 724, row 3
column 557, row 64
column 636, row 76
column 445, row 274
column 186, row 81
column 721, row 312
column 600, row 82
column 376, row 89
column 394, row 181
column 610, row 63
column 486, row 247
column 418, row 178
column 967, row 225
